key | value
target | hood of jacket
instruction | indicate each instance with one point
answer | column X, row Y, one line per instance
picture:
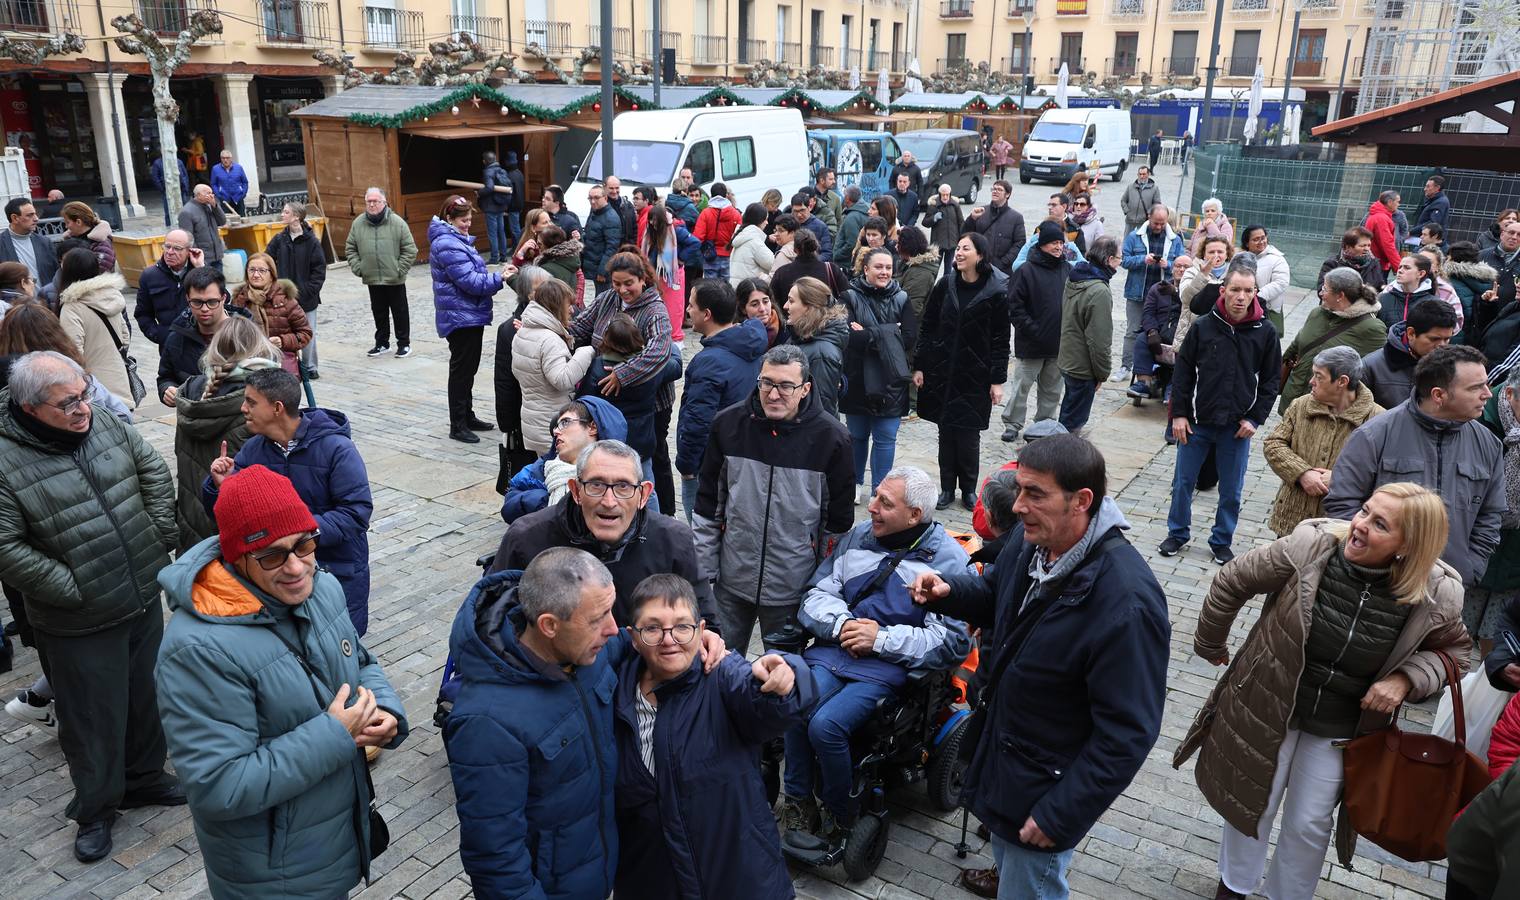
column 836, row 331
column 1253, row 315
column 202, row 585
column 1143, row 231
column 748, row 234
column 101, row 231
column 1038, row 257
column 1376, row 210
column 1481, row 272
column 486, row 642
column 1088, row 271
column 861, row 206
column 610, row 423
column 536, row 316
column 439, row 230
column 102, row 293
column 718, row 203
column 1359, row 307
column 1425, row 287
column 927, row 258
column 1271, row 251
column 319, row 423
column 209, row 418
column 746, row 342
column 570, row 248
column 1395, row 351
column 1360, row 409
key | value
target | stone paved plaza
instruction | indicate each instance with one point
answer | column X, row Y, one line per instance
column 436, row 510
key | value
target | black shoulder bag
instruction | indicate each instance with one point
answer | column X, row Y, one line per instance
column 134, row 380
column 379, row 832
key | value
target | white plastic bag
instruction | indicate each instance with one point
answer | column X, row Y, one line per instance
column 1481, row 704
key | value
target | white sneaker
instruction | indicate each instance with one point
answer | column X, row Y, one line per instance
column 41, row 716
column 858, row 489
column 1121, row 375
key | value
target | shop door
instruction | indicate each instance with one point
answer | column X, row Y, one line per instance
column 69, row 163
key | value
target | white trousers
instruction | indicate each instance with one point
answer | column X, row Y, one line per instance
column 1306, row 786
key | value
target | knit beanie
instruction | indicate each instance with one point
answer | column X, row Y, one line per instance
column 256, row 507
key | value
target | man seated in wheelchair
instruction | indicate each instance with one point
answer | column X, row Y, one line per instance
column 867, row 634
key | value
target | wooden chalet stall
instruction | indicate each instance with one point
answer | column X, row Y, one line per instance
column 409, row 139
column 1011, row 117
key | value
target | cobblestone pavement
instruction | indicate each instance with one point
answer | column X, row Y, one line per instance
column 436, row 510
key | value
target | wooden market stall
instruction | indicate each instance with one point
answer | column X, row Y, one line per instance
column 1011, row 117
column 409, row 139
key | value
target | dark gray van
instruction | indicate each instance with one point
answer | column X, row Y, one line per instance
column 947, row 156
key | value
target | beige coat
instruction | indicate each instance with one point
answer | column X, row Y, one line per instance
column 1241, row 726
column 546, row 370
column 1310, row 436
column 78, row 305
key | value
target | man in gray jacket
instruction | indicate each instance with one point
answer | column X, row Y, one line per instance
column 203, row 219
column 1139, row 197
column 1434, row 439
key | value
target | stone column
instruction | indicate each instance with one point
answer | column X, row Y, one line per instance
column 108, row 151
column 234, row 96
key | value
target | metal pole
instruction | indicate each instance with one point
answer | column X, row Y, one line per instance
column 659, row 52
column 1340, row 87
column 1298, row 14
column 1208, row 90
column 121, row 155
column 607, row 88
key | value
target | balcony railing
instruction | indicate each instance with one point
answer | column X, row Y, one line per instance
column 1376, row 68
column 668, row 40
column 709, row 50
column 878, row 60
column 751, row 50
column 163, row 16
column 1239, row 66
column 293, row 23
column 819, row 55
column 955, row 9
column 553, row 37
column 486, row 30
column 1121, row 66
column 38, row 16
column 1014, row 65
column 789, row 52
column 1321, row 9
column 1189, row 7
column 851, row 58
column 1126, row 9
column 1180, row 65
column 388, row 27
column 900, row 60
column 1074, row 67
column 1251, row 8
column 622, row 39
column 1309, row 68
column 952, row 64
column 1017, row 8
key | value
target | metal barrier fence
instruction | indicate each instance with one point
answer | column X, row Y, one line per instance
column 1306, row 204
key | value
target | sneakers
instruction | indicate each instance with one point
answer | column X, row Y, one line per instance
column 1172, row 546
column 1139, row 390
column 1222, row 555
column 24, row 706
column 403, row 351
column 377, row 350
column 1122, row 374
column 1010, row 434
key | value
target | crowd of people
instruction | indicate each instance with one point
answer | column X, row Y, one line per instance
column 605, row 725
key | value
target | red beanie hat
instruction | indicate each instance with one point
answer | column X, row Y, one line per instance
column 256, row 507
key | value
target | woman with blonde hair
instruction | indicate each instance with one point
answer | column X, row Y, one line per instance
column 821, row 329
column 208, row 417
column 1355, row 617
column 527, row 246
column 271, row 300
column 544, row 362
column 82, row 223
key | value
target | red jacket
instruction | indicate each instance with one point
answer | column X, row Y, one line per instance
column 718, row 224
column 979, row 515
column 1385, row 245
column 1504, row 740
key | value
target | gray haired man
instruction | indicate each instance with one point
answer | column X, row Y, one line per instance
column 86, row 523
column 380, row 249
column 775, row 490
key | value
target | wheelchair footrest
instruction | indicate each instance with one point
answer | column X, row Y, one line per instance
column 810, row 850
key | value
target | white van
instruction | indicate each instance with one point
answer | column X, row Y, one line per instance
column 1065, row 140
column 749, row 148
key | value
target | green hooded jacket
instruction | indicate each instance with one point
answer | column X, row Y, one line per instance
column 380, row 254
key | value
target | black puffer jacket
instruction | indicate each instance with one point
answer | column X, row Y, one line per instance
column 1003, row 227
column 962, row 351
column 1034, row 305
column 888, row 327
column 302, row 261
column 1227, row 372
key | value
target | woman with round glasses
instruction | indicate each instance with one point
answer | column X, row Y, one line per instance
column 462, row 292
column 692, row 813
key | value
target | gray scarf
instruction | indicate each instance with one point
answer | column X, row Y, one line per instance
column 1041, row 569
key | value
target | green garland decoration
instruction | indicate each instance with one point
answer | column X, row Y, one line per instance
column 464, row 93
column 796, row 94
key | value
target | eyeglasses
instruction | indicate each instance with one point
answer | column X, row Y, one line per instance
column 1080, row 204
column 784, row 388
column 207, row 304
column 620, row 489
column 177, row 248
column 263, row 269
column 274, row 558
column 652, row 635
column 72, row 405
column 569, row 421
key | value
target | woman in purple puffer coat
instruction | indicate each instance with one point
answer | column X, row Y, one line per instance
column 462, row 292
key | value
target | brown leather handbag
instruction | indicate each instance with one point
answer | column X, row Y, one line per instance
column 1403, row 789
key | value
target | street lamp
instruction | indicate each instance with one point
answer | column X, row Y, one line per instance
column 1298, row 14
column 1028, row 17
column 1340, row 89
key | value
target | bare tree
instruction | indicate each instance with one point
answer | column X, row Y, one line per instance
column 32, row 53
column 140, row 40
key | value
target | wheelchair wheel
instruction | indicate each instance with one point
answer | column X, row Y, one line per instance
column 865, row 847
column 947, row 771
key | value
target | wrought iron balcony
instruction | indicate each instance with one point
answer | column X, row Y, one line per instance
column 1015, row 64
column 1321, row 9
column 668, row 40
column 1239, row 66
column 166, row 17
column 900, row 60
column 39, row 16
column 387, row 27
column 1121, row 66
column 751, row 50
column 622, row 39
column 709, row 50
column 1251, row 8
column 296, row 23
column 1126, row 9
column 820, row 55
column 1180, row 65
column 952, row 64
column 486, row 30
column 553, row 37
column 1074, row 67
column 1309, row 68
column 851, row 58
column 789, row 52
column 1017, row 8
column 1189, row 7
column 955, row 9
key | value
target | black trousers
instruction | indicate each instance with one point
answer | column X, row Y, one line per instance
column 464, row 362
column 664, row 483
column 959, row 453
column 693, row 275
column 388, row 301
column 107, row 708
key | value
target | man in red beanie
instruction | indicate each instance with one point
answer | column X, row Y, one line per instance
column 269, row 701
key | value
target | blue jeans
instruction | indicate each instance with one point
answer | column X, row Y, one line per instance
column 1029, row 874
column 876, row 435
column 1145, row 363
column 1076, row 404
column 843, row 706
column 654, row 500
column 718, row 271
column 688, row 496
column 1230, row 455
column 514, row 228
column 496, row 233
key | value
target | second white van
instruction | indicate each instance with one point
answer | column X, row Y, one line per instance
column 1065, row 140
column 748, row 148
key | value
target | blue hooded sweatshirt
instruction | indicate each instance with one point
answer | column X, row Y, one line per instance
column 721, row 374
column 527, row 491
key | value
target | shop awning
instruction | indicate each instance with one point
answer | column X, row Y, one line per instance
column 450, row 132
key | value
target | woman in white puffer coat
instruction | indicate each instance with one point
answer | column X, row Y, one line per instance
column 750, row 258
column 546, row 367
column 1271, row 273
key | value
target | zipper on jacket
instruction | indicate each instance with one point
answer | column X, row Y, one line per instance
column 126, row 547
column 765, row 535
column 601, row 768
column 1361, row 603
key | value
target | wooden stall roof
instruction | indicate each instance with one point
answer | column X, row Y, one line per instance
column 1395, row 124
column 396, row 105
column 476, row 130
